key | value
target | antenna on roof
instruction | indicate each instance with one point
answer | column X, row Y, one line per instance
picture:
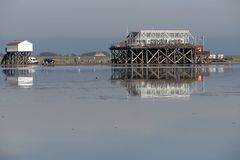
column 127, row 31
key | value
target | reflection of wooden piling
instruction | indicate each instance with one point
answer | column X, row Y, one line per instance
column 15, row 72
column 156, row 73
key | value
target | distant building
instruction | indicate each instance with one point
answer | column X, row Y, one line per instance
column 99, row 55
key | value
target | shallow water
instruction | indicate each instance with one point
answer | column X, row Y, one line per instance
column 104, row 113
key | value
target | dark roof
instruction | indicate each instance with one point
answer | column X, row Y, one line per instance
column 133, row 34
column 13, row 43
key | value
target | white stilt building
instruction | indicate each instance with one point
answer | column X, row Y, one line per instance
column 17, row 52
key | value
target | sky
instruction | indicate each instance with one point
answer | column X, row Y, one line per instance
column 77, row 26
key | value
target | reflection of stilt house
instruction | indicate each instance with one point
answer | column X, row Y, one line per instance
column 17, row 52
column 158, row 81
column 19, row 76
column 157, row 47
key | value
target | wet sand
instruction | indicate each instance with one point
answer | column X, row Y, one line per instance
column 97, row 112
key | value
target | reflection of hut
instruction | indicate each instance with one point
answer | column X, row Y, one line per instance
column 19, row 76
column 21, row 81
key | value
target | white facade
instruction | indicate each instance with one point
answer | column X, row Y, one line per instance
column 212, row 56
column 220, row 56
column 148, row 37
column 19, row 46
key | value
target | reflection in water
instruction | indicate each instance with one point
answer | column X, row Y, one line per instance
column 152, row 82
column 216, row 68
column 21, row 77
column 72, row 115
